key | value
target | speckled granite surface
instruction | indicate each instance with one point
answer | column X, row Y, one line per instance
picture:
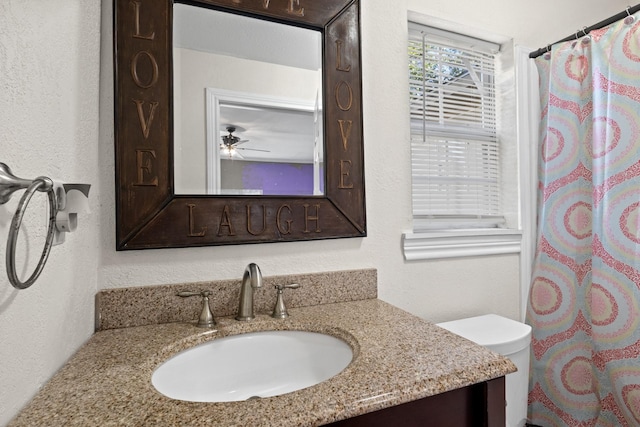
column 398, row 358
column 147, row 305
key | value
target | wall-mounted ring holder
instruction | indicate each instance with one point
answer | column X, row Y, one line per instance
column 64, row 204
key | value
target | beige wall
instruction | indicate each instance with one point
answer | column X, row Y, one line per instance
column 49, row 91
column 49, row 79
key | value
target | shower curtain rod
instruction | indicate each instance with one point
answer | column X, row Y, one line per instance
column 609, row 21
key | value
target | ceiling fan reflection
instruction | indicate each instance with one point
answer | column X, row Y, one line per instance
column 229, row 145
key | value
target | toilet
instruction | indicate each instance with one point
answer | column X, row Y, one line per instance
column 511, row 339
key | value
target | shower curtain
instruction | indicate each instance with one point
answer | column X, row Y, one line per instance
column 584, row 303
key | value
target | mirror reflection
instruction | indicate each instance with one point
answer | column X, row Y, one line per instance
column 247, row 105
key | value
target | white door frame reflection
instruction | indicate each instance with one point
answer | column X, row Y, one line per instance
column 280, row 150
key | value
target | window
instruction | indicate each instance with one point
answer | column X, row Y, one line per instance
column 455, row 148
column 454, row 145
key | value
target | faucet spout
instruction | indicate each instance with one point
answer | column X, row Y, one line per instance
column 252, row 279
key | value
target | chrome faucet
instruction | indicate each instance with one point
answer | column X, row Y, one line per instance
column 252, row 279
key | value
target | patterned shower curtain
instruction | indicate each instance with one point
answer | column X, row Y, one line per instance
column 584, row 304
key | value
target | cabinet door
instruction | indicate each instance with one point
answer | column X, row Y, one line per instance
column 478, row 405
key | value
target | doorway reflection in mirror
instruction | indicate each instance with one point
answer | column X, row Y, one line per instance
column 262, row 78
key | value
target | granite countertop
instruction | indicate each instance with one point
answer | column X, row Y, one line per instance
column 397, row 358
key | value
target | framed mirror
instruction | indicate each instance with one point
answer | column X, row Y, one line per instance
column 154, row 207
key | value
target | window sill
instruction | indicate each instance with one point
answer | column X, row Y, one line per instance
column 460, row 243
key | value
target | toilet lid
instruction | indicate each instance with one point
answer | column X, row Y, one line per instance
column 502, row 335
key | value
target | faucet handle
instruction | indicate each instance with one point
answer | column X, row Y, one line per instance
column 206, row 319
column 279, row 310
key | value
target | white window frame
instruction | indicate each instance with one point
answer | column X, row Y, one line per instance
column 448, row 240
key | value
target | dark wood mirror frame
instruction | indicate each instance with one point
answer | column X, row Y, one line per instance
column 150, row 215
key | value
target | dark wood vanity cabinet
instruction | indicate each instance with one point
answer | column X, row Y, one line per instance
column 478, row 405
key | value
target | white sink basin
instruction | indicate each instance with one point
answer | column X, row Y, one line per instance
column 258, row 364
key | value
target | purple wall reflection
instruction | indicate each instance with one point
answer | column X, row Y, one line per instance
column 280, row 178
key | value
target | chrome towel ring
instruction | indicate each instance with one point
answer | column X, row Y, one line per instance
column 8, row 184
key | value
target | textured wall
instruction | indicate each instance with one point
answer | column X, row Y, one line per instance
column 49, row 81
column 437, row 290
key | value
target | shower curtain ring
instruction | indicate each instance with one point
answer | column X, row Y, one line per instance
column 587, row 38
column 575, row 42
column 630, row 19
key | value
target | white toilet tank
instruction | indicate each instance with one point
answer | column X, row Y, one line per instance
column 508, row 338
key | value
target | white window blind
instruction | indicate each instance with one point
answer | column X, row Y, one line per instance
column 454, row 146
